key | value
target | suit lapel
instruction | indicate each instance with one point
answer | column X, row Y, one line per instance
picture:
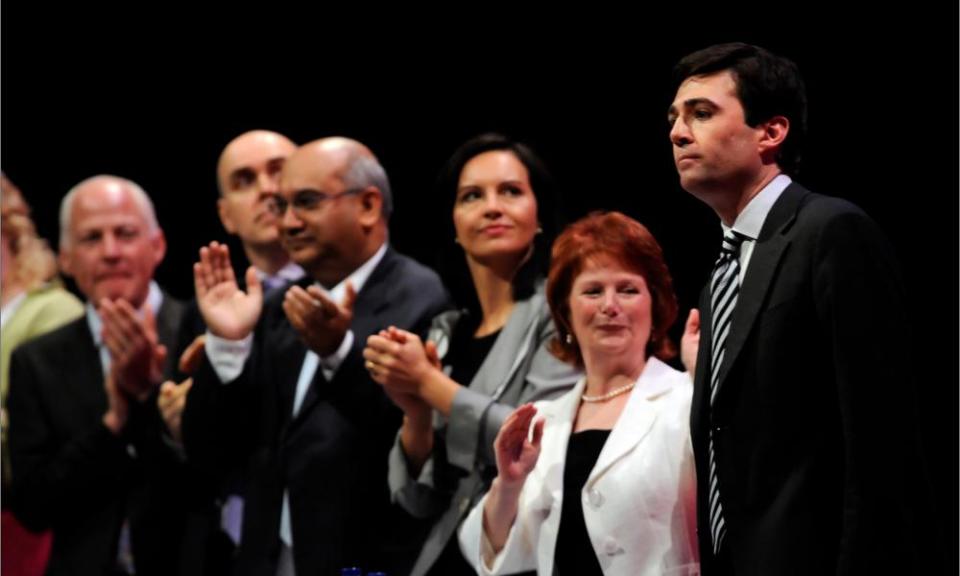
column 281, row 354
column 510, row 349
column 372, row 298
column 168, row 321
column 769, row 248
column 375, row 295
column 560, row 415
column 290, row 358
column 637, row 418
column 80, row 371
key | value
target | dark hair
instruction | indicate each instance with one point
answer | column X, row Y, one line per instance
column 453, row 265
column 767, row 85
column 613, row 236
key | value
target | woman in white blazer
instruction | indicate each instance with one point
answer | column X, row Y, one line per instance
column 604, row 482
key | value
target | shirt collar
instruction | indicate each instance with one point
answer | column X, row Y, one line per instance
column 10, row 308
column 291, row 272
column 358, row 277
column 750, row 220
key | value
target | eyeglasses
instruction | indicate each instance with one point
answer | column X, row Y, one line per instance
column 304, row 201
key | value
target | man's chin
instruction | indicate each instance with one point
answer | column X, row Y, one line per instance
column 689, row 181
column 264, row 238
column 300, row 252
column 303, row 258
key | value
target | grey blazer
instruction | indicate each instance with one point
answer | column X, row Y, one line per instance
column 518, row 369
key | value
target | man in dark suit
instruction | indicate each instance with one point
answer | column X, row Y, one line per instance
column 801, row 467
column 88, row 456
column 284, row 389
column 248, row 180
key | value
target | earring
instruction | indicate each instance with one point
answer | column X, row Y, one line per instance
column 539, row 229
column 568, row 338
column 456, row 240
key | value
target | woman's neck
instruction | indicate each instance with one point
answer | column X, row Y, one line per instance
column 610, row 372
column 495, row 292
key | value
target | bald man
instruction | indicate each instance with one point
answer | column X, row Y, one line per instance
column 88, row 460
column 284, row 391
column 248, row 176
column 248, row 180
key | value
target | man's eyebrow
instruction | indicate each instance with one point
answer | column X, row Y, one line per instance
column 691, row 103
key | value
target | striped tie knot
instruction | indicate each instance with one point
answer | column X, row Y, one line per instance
column 731, row 244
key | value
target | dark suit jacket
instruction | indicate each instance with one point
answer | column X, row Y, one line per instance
column 73, row 475
column 332, row 457
column 814, row 422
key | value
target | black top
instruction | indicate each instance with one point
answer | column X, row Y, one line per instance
column 466, row 352
column 465, row 356
column 574, row 553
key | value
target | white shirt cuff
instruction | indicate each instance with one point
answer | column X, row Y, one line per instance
column 227, row 357
column 330, row 364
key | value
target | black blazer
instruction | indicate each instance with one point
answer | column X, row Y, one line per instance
column 332, row 457
column 814, row 422
column 72, row 475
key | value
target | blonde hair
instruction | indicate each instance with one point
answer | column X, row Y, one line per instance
column 34, row 263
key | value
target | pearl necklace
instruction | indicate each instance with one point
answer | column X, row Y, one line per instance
column 611, row 394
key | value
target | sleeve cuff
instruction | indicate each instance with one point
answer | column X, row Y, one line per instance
column 330, row 364
column 227, row 357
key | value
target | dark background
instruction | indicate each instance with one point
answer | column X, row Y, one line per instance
column 154, row 97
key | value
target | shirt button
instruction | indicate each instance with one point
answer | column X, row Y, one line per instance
column 595, row 498
column 611, row 547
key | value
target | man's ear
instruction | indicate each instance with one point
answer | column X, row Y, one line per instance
column 159, row 243
column 771, row 136
column 371, row 206
column 65, row 259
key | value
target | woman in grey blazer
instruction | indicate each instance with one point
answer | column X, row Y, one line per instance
column 479, row 362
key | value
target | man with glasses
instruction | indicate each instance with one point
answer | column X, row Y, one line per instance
column 284, row 391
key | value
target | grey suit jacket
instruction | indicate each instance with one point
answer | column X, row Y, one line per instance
column 518, row 369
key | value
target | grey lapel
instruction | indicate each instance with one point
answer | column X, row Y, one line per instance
column 511, row 348
column 494, row 376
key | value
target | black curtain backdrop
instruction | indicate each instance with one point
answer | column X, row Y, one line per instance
column 154, row 97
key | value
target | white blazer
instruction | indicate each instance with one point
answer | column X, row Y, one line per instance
column 639, row 502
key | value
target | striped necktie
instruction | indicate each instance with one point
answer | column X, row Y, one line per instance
column 724, row 288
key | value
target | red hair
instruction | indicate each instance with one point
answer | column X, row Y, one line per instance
column 610, row 236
